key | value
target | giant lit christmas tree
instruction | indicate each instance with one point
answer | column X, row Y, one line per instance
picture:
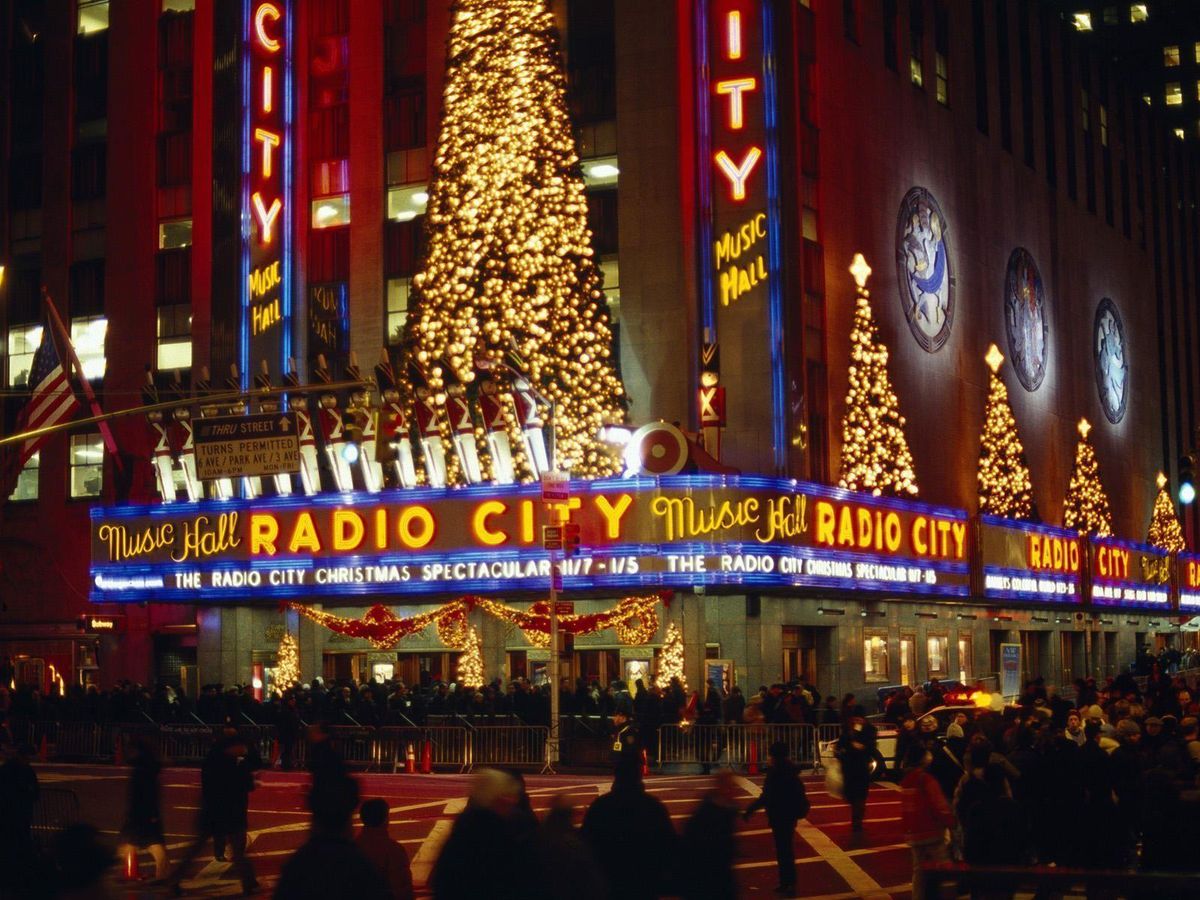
column 1086, row 505
column 670, row 661
column 1166, row 533
column 509, row 262
column 875, row 454
column 1004, row 485
column 287, row 663
column 470, row 663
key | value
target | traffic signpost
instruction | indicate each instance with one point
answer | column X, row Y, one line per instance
column 556, row 489
column 233, row 446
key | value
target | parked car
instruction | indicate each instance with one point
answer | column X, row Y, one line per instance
column 888, row 734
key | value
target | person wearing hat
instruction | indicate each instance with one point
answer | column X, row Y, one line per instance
column 393, row 424
column 161, row 453
column 462, row 425
column 786, row 802
column 182, row 440
column 310, row 471
column 362, row 419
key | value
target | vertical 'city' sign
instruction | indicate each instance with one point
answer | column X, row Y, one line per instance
column 266, row 186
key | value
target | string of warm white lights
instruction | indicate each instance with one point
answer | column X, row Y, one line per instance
column 1086, row 506
column 1166, row 532
column 670, row 663
column 1005, row 488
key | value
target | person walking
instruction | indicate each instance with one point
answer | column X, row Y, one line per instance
column 709, row 844
column 387, row 855
column 926, row 816
column 143, row 828
column 786, row 802
column 631, row 835
column 855, row 750
column 565, row 865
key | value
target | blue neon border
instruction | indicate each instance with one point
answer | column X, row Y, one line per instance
column 774, row 242
column 708, row 307
column 1137, row 546
column 1180, row 593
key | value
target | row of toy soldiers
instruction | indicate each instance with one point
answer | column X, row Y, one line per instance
column 380, row 433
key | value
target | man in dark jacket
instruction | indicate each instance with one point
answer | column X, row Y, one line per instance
column 709, row 845
column 855, row 751
column 786, row 802
column 631, row 835
column 995, row 829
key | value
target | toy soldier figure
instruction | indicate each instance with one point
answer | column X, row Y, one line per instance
column 462, row 426
column 425, row 411
column 333, row 430
column 220, row 488
column 492, row 409
column 161, row 454
column 182, row 440
column 310, row 471
column 393, row 426
column 269, row 404
column 361, row 419
column 251, row 484
column 530, row 421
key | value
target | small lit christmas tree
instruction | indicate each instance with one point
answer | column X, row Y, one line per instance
column 670, row 662
column 470, row 663
column 1166, row 533
column 287, row 663
column 875, row 454
column 1086, row 506
column 1005, row 488
column 509, row 263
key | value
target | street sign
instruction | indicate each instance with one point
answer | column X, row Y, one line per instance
column 555, row 486
column 564, row 608
column 552, row 537
column 261, row 444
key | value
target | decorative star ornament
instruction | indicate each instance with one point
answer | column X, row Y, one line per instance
column 994, row 358
column 860, row 270
column 1084, row 427
column 1161, row 480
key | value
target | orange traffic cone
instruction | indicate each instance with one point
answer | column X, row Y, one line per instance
column 131, row 864
column 752, row 768
column 426, row 757
column 645, row 764
column 410, row 760
column 42, row 752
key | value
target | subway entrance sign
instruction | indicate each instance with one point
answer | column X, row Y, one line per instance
column 232, row 446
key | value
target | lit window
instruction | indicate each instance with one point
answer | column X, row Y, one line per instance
column 175, row 337
column 1083, row 21
column 1138, row 12
column 875, row 657
column 329, row 212
column 1103, row 125
column 612, row 286
column 1179, row 133
column 941, row 85
column 1147, row 99
column 1171, row 56
column 601, row 172
column 406, row 203
column 93, row 16
column 398, row 291
column 174, row 234
column 914, row 71
column 87, row 334
column 1111, row 17
column 938, row 649
column 178, row 5
column 1196, row 50
column 87, row 465
column 808, row 224
column 23, row 342
column 1174, row 94
column 27, row 482
column 964, row 659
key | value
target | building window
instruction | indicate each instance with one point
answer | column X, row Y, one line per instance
column 941, row 53
column 27, row 482
column 329, row 212
column 601, row 172
column 891, row 12
column 87, row 465
column 875, row 656
column 1138, row 12
column 916, row 40
column 87, row 334
column 398, row 292
column 943, row 91
column 174, row 234
column 1174, row 94
column 937, row 649
column 1111, row 16
column 179, row 6
column 1171, row 56
column 1179, row 133
column 1103, row 125
column 23, row 342
column 908, row 658
column 1196, row 51
column 175, row 336
column 611, row 270
column 966, row 667
column 92, row 16
column 406, row 203
column 1082, row 21
column 1147, row 99
column 979, row 31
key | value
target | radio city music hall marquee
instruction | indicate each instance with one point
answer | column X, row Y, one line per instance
column 682, row 531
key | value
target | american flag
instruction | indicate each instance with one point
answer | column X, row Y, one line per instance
column 52, row 401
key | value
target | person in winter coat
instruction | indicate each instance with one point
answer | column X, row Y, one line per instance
column 926, row 816
column 143, row 823
column 856, row 750
column 786, row 802
column 565, row 865
column 996, row 832
column 386, row 854
column 709, row 845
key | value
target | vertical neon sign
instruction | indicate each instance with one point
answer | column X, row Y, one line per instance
column 266, row 186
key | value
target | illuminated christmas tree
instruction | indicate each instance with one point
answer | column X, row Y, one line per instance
column 470, row 663
column 670, row 662
column 1166, row 533
column 1004, row 485
column 1086, row 506
column 509, row 262
column 287, row 663
column 875, row 454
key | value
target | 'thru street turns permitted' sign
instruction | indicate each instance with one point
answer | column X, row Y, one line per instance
column 230, row 446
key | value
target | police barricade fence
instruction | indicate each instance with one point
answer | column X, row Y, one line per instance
column 733, row 745
column 439, row 746
column 54, row 810
column 829, row 732
column 510, row 745
column 75, row 741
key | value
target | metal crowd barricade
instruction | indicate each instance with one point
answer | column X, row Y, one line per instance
column 448, row 746
column 733, row 745
column 75, row 741
column 357, row 745
column 55, row 809
column 510, row 745
column 823, row 733
column 186, row 743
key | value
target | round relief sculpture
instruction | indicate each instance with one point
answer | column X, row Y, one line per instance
column 1025, row 318
column 1112, row 360
column 923, row 269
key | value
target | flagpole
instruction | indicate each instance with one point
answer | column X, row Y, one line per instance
column 97, row 413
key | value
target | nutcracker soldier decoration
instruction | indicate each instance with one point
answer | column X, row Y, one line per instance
column 393, row 425
column 425, row 412
column 268, row 404
column 491, row 408
column 220, row 488
column 182, row 441
column 711, row 397
column 251, row 484
column 160, row 457
column 310, row 471
column 333, row 430
column 360, row 421
column 530, row 420
column 462, row 426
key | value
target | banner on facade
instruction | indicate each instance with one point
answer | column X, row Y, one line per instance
column 1124, row 573
column 1010, row 670
column 1021, row 562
